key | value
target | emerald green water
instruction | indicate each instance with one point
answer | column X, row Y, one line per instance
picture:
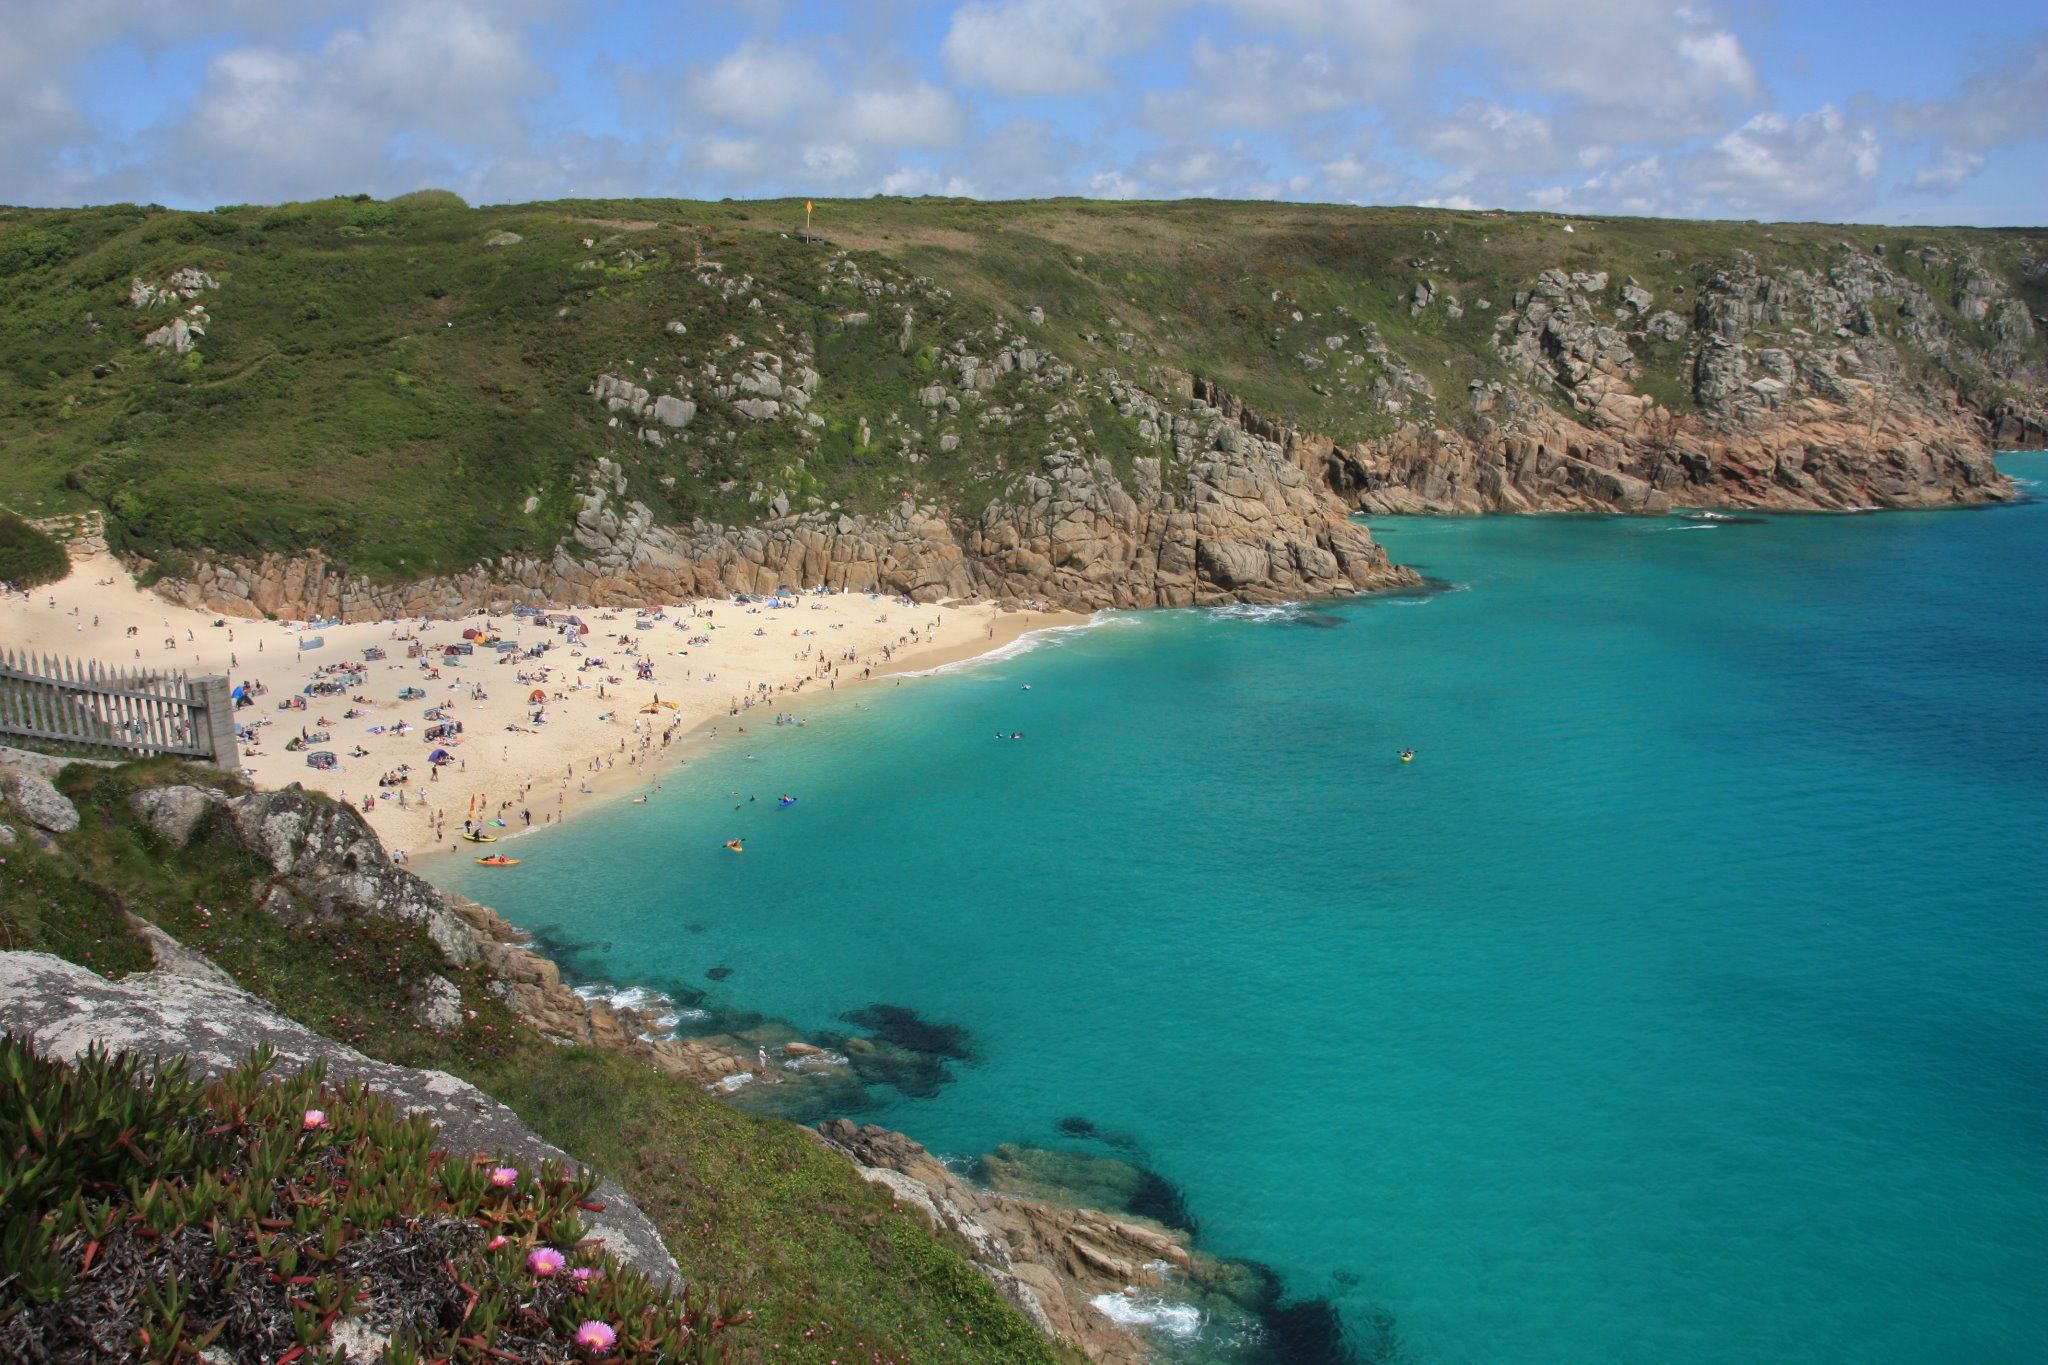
column 1685, row 999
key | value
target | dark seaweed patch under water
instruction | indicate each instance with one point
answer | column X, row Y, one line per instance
column 717, row 973
column 901, row 1026
column 1077, row 1127
column 1162, row 1201
column 902, row 1050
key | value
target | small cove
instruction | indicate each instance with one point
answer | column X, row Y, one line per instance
column 1684, row 999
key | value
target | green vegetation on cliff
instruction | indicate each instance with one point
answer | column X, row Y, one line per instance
column 408, row 386
column 27, row 555
column 755, row 1212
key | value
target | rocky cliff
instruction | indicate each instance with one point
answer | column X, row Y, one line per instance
column 1223, row 517
column 1798, row 397
column 545, row 403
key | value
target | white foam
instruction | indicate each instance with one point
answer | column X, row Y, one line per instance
column 1155, row 1312
column 731, row 1083
column 642, row 1000
column 1259, row 611
column 1025, row 643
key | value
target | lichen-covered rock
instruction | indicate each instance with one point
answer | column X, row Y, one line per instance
column 439, row 1005
column 65, row 1008
column 174, row 812
column 175, row 959
column 333, row 860
column 1048, row 1260
column 38, row 802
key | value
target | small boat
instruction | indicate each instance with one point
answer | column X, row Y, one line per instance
column 735, row 846
column 785, row 803
column 481, row 838
column 639, row 800
column 1407, row 755
column 497, row 860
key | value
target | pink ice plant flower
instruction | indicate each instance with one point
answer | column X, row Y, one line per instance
column 496, row 1242
column 545, row 1261
column 315, row 1118
column 504, row 1177
column 584, row 1276
column 596, row 1336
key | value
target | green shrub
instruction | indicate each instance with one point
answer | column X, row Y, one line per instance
column 28, row 556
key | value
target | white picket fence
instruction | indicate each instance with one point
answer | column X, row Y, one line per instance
column 136, row 713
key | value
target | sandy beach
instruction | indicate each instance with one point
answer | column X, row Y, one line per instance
column 551, row 719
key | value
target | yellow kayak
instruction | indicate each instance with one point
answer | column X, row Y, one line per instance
column 481, row 838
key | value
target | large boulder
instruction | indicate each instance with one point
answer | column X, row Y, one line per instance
column 39, row 803
column 64, row 1008
column 174, row 812
column 334, row 862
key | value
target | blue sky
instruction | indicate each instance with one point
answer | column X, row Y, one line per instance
column 1877, row 111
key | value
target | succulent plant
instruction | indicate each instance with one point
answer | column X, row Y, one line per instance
column 148, row 1214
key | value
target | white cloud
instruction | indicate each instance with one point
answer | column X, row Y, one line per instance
column 914, row 115
column 1487, row 137
column 1819, row 163
column 1045, row 47
column 2003, row 103
column 1949, row 172
column 382, row 107
column 756, row 84
column 1249, row 86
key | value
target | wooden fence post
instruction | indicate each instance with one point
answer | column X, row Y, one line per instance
column 214, row 719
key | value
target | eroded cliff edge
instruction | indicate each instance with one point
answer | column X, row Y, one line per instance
column 1847, row 383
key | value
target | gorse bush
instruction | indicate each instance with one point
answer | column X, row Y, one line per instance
column 28, row 556
column 148, row 1215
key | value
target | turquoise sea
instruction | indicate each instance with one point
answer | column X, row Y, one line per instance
column 1686, row 999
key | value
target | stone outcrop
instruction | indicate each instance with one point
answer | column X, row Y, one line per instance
column 65, row 1008
column 37, row 801
column 328, row 864
column 1240, row 523
column 1800, row 400
column 174, row 813
column 1048, row 1260
column 531, row 986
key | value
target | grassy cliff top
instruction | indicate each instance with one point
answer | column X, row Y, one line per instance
column 406, row 385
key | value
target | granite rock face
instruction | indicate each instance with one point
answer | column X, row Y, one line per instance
column 1046, row 1259
column 65, row 1008
column 330, row 864
column 1799, row 399
column 38, row 802
column 1219, row 514
column 174, row 813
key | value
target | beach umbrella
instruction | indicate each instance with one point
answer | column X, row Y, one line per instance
column 537, row 696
